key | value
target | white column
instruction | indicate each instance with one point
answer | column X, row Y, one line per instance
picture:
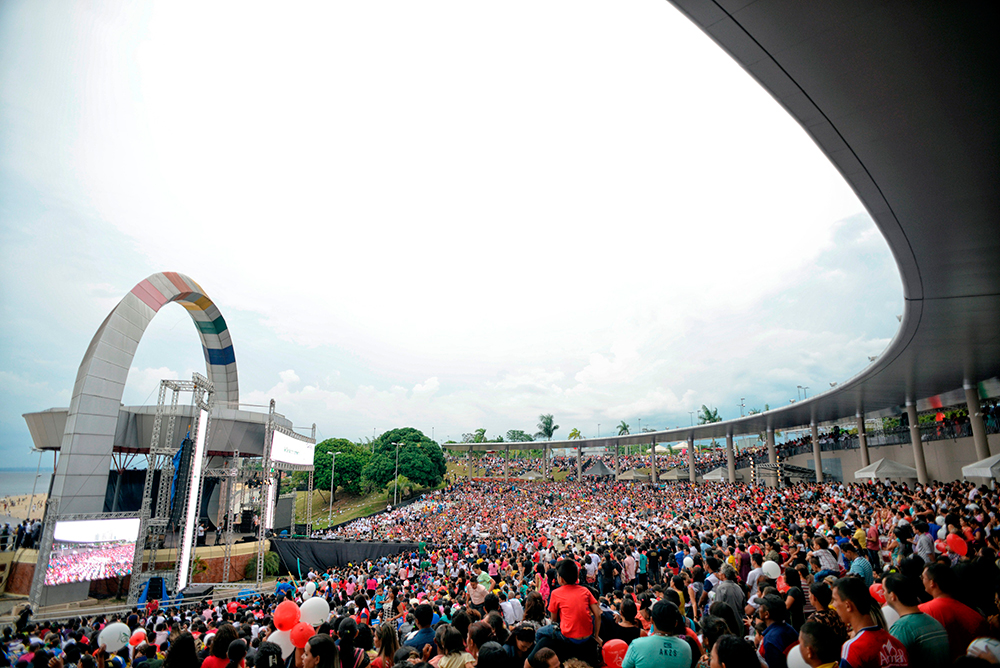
column 468, row 474
column 918, row 445
column 817, row 453
column 506, row 463
column 863, row 440
column 976, row 418
column 579, row 463
column 691, row 471
column 772, row 457
column 730, row 458
column 618, row 464
column 652, row 455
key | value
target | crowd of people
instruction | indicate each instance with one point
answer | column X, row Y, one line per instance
column 23, row 534
column 87, row 562
column 534, row 574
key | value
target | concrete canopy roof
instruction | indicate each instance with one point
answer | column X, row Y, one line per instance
column 903, row 99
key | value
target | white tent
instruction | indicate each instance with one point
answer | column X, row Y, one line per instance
column 530, row 475
column 984, row 468
column 721, row 473
column 634, row 475
column 886, row 468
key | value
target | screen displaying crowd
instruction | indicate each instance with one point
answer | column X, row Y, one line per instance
column 83, row 562
column 529, row 575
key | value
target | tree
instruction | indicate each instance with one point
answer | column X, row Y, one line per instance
column 708, row 415
column 351, row 461
column 623, row 428
column 518, row 436
column 420, row 459
column 575, row 434
column 545, row 427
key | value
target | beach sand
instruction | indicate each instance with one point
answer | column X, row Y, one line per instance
column 17, row 508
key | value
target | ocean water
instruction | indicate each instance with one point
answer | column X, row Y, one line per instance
column 14, row 482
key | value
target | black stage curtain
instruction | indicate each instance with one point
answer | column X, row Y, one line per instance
column 130, row 492
column 304, row 554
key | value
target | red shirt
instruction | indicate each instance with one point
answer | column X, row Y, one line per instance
column 872, row 647
column 962, row 623
column 572, row 603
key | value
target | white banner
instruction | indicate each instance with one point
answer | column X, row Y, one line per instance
column 290, row 450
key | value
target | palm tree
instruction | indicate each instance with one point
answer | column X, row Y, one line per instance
column 623, row 428
column 708, row 415
column 575, row 434
column 545, row 427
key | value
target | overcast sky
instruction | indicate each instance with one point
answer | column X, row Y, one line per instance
column 446, row 215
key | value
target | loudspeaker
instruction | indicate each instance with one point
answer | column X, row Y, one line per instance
column 197, row 591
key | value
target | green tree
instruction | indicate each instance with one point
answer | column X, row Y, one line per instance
column 546, row 428
column 708, row 415
column 623, row 428
column 351, row 461
column 575, row 434
column 420, row 459
column 518, row 436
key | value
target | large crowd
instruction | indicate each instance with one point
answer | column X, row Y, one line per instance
column 541, row 574
column 86, row 562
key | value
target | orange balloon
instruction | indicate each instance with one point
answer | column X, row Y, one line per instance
column 301, row 633
column 286, row 616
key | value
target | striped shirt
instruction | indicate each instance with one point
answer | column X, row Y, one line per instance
column 862, row 567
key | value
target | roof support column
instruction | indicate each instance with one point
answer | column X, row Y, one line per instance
column 863, row 440
column 652, row 458
column 468, row 459
column 730, row 458
column 817, row 453
column 579, row 463
column 691, row 471
column 918, row 445
column 618, row 463
column 545, row 461
column 772, row 457
column 976, row 418
column 506, row 464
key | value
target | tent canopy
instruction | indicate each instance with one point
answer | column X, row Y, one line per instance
column 634, row 475
column 721, row 473
column 598, row 470
column 984, row 468
column 886, row 468
column 530, row 475
column 673, row 474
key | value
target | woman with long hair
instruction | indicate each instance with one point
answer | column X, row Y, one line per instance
column 218, row 656
column 386, row 644
column 320, row 652
column 534, row 609
column 182, row 652
column 351, row 656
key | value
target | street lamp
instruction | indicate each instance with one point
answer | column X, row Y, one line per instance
column 805, row 395
column 691, row 413
column 333, row 470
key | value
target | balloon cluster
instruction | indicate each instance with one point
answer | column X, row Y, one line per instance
column 295, row 624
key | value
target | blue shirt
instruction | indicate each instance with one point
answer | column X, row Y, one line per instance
column 421, row 638
column 860, row 566
column 777, row 638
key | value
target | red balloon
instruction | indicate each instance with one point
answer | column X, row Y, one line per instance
column 286, row 616
column 876, row 591
column 941, row 546
column 138, row 637
column 957, row 545
column 301, row 633
column 614, row 653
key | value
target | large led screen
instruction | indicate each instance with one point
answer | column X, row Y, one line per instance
column 84, row 550
column 289, row 450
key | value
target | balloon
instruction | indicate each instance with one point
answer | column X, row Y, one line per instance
column 614, row 652
column 284, row 641
column 876, row 591
column 114, row 637
column 311, row 588
column 301, row 634
column 688, row 562
column 957, row 544
column 941, row 546
column 286, row 616
column 137, row 638
column 891, row 616
column 795, row 659
column 315, row 611
column 771, row 570
column 942, row 533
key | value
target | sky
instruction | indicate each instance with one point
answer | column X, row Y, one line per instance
column 444, row 215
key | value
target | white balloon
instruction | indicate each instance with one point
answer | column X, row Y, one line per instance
column 942, row 533
column 795, row 659
column 771, row 570
column 114, row 637
column 311, row 588
column 891, row 616
column 283, row 640
column 688, row 562
column 315, row 611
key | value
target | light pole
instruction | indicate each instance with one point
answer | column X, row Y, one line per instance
column 691, row 413
column 742, row 405
column 333, row 487
column 640, row 425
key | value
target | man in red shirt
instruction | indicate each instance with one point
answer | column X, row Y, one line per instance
column 871, row 646
column 575, row 612
column 962, row 623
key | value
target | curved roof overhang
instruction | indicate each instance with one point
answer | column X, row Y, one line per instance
column 903, row 99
